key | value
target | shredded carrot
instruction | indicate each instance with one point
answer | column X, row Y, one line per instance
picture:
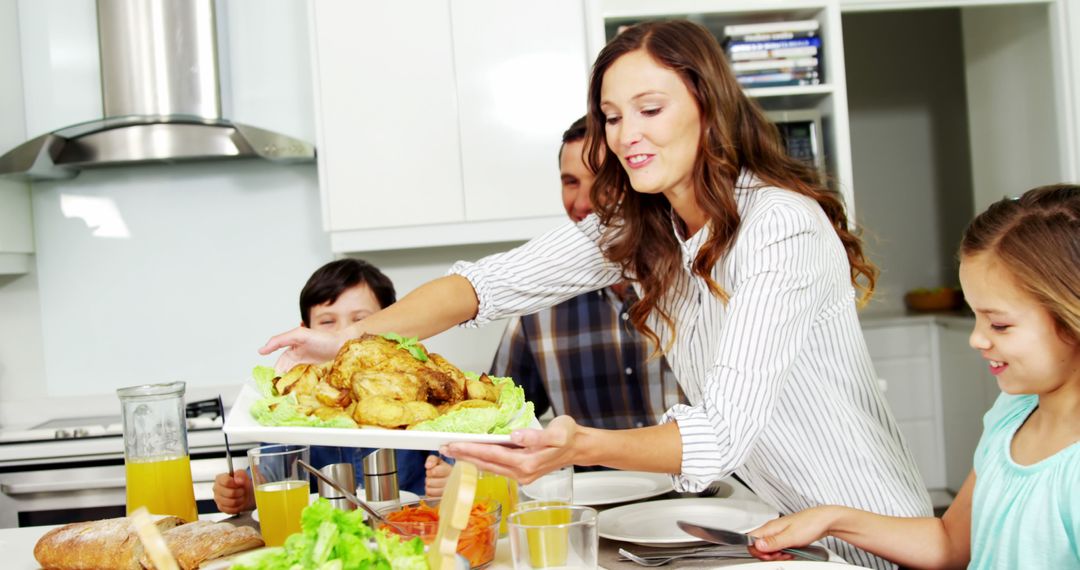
column 476, row 543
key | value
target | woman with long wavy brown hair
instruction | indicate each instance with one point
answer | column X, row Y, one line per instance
column 747, row 275
column 736, row 136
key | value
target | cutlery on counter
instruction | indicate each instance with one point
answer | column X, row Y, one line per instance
column 659, row 558
column 732, row 538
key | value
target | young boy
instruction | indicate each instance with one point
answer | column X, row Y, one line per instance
column 337, row 295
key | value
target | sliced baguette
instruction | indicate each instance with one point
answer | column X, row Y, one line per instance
column 196, row 543
column 95, row 545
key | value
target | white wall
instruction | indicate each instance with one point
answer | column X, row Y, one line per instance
column 1015, row 136
column 909, row 145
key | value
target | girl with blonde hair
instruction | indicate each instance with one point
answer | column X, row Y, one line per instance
column 1020, row 506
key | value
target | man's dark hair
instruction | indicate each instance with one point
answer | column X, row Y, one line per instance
column 576, row 132
column 331, row 280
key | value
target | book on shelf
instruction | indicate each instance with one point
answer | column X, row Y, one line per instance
column 808, row 51
column 783, row 83
column 775, row 36
column 775, row 63
column 800, row 77
column 739, row 47
column 764, row 28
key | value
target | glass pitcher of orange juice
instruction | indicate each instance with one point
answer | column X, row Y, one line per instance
column 156, row 459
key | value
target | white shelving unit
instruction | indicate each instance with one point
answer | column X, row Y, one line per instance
column 882, row 5
column 828, row 98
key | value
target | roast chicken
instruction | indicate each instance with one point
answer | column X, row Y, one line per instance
column 374, row 381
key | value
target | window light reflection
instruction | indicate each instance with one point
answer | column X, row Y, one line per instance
column 100, row 214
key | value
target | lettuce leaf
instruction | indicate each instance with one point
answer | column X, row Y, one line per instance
column 331, row 539
column 264, row 379
column 512, row 412
column 275, row 410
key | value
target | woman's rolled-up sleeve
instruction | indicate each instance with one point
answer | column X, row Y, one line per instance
column 563, row 263
column 781, row 265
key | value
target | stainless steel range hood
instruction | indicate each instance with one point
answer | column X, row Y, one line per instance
column 161, row 95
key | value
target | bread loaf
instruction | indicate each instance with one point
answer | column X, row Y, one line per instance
column 194, row 543
column 96, row 545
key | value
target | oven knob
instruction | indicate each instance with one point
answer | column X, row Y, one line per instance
column 62, row 434
column 80, row 432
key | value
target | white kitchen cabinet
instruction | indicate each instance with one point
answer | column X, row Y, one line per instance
column 438, row 123
column 905, row 356
column 937, row 387
column 16, row 233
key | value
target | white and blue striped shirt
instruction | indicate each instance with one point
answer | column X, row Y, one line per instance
column 781, row 388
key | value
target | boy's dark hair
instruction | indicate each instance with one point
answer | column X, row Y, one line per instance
column 576, row 132
column 331, row 280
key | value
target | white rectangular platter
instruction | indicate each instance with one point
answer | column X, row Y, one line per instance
column 239, row 423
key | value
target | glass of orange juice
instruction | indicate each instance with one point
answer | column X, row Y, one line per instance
column 501, row 490
column 544, row 527
column 281, row 489
column 546, row 534
column 156, row 461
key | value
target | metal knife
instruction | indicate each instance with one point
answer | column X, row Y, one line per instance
column 721, row 536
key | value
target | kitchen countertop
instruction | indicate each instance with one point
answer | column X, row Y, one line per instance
column 949, row 318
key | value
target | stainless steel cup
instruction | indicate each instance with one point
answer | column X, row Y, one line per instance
column 343, row 474
column 380, row 476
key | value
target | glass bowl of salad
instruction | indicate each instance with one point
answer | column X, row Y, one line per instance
column 421, row 519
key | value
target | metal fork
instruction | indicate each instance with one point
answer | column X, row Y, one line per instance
column 661, row 560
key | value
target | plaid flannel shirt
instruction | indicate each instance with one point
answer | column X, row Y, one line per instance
column 584, row 359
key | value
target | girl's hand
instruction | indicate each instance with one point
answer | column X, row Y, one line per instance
column 799, row 529
column 303, row 346
column 234, row 494
column 539, row 451
column 438, row 472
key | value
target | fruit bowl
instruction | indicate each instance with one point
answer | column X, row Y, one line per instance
column 940, row 299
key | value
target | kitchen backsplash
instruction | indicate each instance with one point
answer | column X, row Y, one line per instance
column 164, row 273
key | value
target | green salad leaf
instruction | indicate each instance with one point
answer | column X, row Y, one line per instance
column 410, row 344
column 511, row 412
column 331, row 539
column 276, row 410
column 264, row 379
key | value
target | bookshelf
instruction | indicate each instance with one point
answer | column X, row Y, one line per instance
column 828, row 98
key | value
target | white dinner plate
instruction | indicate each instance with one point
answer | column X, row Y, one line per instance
column 652, row 523
column 403, row 497
column 239, row 423
column 795, row 565
column 610, row 487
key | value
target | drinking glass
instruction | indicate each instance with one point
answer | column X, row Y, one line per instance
column 554, row 536
column 281, row 489
column 501, row 490
column 156, row 461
